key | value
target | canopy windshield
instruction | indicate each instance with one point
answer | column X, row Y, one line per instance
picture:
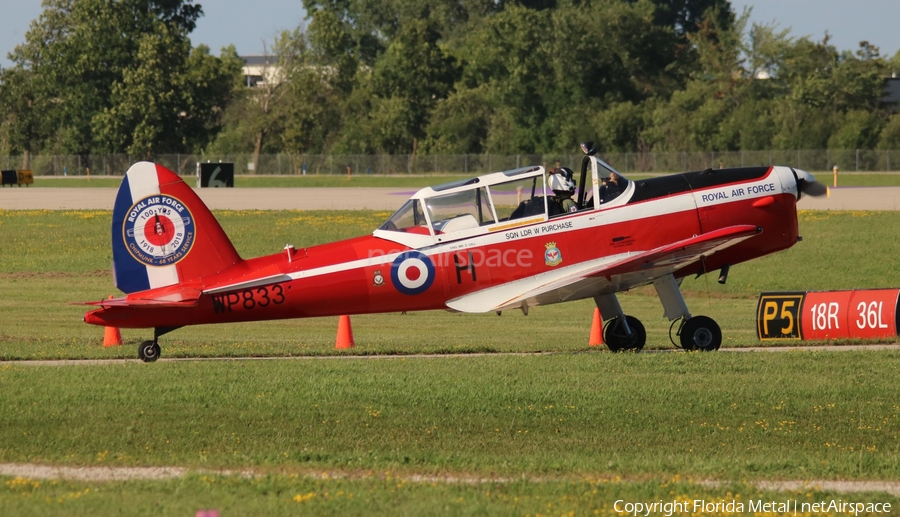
column 612, row 182
column 409, row 216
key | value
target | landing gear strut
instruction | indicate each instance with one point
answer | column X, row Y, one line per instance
column 694, row 333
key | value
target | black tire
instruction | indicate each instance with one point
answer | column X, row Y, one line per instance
column 617, row 340
column 148, row 351
column 701, row 333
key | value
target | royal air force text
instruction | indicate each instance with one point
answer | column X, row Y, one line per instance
column 765, row 188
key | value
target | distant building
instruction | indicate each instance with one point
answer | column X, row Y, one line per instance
column 892, row 93
column 259, row 69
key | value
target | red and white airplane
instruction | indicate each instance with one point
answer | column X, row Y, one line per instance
column 492, row 243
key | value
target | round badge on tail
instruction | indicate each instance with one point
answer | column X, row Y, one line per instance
column 412, row 272
column 158, row 230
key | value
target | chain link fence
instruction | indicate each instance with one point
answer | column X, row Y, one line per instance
column 299, row 164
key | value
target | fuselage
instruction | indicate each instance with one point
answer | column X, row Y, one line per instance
column 384, row 273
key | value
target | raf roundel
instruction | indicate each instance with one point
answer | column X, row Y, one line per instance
column 159, row 230
column 412, row 272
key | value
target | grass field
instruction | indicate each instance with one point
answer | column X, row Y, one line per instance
column 846, row 179
column 553, row 434
column 565, row 425
column 50, row 259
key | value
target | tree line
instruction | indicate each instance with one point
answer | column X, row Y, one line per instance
column 440, row 77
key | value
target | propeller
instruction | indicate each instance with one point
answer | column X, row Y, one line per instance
column 808, row 185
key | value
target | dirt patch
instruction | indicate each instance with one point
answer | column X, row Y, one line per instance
column 55, row 274
column 36, row 471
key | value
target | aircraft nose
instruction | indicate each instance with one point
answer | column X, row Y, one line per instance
column 808, row 185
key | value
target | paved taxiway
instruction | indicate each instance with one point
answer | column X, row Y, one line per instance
column 322, row 198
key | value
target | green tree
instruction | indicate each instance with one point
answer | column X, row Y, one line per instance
column 79, row 50
column 21, row 124
column 291, row 110
column 170, row 101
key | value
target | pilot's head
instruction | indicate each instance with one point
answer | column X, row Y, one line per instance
column 561, row 181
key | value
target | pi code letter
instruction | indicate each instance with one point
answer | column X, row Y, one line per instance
column 778, row 316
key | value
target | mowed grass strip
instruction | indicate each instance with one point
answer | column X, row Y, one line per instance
column 384, row 494
column 800, row 415
column 49, row 259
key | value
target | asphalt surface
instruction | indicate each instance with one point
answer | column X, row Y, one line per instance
column 216, row 198
column 843, row 198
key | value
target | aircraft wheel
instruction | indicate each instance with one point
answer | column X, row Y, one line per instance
column 701, row 333
column 617, row 340
column 148, row 351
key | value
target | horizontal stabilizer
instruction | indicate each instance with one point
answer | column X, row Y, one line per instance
column 179, row 298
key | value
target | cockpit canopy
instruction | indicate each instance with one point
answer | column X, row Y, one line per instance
column 494, row 202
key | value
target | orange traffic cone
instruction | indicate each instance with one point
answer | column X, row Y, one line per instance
column 111, row 335
column 596, row 329
column 344, row 333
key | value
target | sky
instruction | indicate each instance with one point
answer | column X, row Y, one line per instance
column 249, row 23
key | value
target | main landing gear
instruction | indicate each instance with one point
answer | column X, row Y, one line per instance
column 149, row 351
column 698, row 333
column 625, row 332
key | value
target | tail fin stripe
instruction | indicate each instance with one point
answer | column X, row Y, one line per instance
column 143, row 181
column 162, row 276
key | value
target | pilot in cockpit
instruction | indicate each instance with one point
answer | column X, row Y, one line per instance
column 612, row 187
column 563, row 185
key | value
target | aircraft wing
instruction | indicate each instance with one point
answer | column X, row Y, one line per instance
column 605, row 275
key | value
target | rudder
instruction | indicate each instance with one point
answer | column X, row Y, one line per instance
column 162, row 233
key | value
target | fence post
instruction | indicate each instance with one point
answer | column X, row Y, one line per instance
column 517, row 161
column 490, row 163
column 466, row 162
column 889, row 160
column 857, row 160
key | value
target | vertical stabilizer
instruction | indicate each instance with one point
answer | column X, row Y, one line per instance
column 162, row 233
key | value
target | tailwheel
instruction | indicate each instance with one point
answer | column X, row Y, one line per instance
column 700, row 333
column 148, row 351
column 618, row 339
